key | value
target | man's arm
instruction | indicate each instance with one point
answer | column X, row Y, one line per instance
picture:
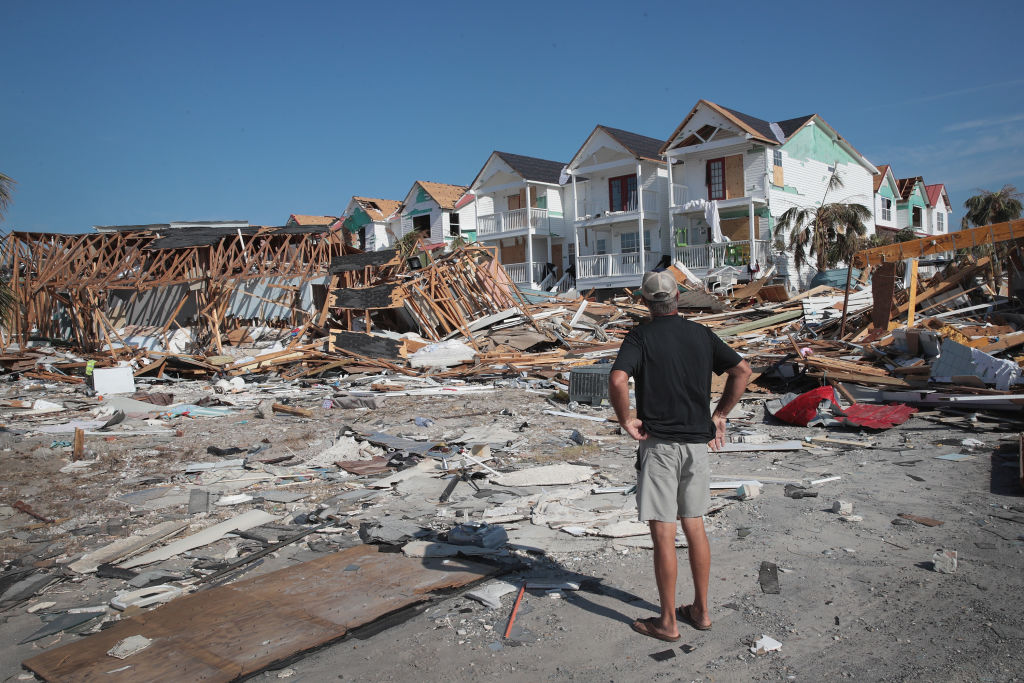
column 618, row 394
column 735, row 385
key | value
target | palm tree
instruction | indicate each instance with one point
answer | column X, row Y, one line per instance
column 830, row 233
column 6, row 189
column 7, row 300
column 988, row 207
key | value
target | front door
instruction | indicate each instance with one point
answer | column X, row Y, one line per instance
column 556, row 258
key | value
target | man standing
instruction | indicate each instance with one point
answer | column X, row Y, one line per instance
column 671, row 360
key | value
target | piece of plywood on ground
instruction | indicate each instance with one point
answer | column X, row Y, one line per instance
column 242, row 628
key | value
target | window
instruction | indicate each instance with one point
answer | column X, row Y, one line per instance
column 777, row 157
column 916, row 213
column 832, row 168
column 622, row 193
column 362, row 238
column 940, row 222
column 453, row 224
column 601, row 246
column 515, row 201
column 715, row 179
column 630, row 242
column 886, row 209
column 422, row 223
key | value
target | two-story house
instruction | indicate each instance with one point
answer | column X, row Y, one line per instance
column 753, row 171
column 619, row 206
column 518, row 208
column 429, row 208
column 367, row 217
column 887, row 192
column 939, row 209
column 912, row 205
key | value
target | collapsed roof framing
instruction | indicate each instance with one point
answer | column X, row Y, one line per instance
column 65, row 284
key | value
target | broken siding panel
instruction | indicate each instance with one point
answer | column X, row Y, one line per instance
column 273, row 298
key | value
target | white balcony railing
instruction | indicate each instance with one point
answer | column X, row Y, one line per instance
column 511, row 221
column 680, row 194
column 518, row 273
column 707, row 256
column 599, row 208
column 612, row 265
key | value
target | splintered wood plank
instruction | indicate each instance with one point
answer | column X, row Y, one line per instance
column 242, row 628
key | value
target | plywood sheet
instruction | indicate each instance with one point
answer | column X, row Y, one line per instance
column 239, row 629
column 734, row 176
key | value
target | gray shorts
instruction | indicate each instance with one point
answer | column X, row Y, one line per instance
column 673, row 480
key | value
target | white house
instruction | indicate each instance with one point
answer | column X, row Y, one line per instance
column 430, row 209
column 368, row 217
column 887, row 192
column 518, row 208
column 752, row 171
column 939, row 210
column 619, row 207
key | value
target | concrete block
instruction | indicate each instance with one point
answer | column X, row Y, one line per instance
column 944, row 561
column 748, row 491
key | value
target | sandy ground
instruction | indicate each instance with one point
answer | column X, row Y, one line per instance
column 859, row 600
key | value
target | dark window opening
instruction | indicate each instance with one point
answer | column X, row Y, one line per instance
column 453, row 225
column 362, row 238
column 916, row 220
column 716, row 178
column 422, row 224
column 622, row 193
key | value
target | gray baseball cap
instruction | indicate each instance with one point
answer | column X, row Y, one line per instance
column 659, row 286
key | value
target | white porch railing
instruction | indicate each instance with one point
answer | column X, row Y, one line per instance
column 707, row 256
column 511, row 221
column 611, row 265
column 519, row 272
column 591, row 209
column 680, row 194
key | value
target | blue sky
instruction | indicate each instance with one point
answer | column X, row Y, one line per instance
column 141, row 112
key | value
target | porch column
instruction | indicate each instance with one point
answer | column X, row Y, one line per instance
column 752, row 237
column 529, row 237
column 672, row 241
column 640, row 206
column 475, row 216
column 575, row 230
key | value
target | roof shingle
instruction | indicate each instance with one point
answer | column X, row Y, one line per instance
column 640, row 146
column 532, row 168
column 444, row 195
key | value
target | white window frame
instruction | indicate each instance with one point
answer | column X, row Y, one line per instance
column 600, row 246
column 886, row 206
column 777, row 157
column 940, row 222
column 635, row 247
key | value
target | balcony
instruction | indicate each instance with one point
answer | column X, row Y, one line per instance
column 680, row 194
column 595, row 212
column 513, row 223
column 614, row 265
column 704, row 257
column 519, row 273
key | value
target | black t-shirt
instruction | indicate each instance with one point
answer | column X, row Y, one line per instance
column 671, row 360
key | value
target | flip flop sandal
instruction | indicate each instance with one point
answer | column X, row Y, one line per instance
column 683, row 614
column 646, row 627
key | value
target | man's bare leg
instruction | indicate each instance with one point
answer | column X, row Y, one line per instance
column 700, row 566
column 666, row 566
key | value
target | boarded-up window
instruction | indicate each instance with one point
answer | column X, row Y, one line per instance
column 738, row 229
column 515, row 201
column 777, row 179
column 734, row 176
column 514, row 253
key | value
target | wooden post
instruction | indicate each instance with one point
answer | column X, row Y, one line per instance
column 846, row 300
column 913, row 293
column 78, row 447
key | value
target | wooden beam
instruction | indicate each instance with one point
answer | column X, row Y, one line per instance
column 935, row 244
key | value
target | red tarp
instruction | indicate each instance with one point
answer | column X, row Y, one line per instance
column 804, row 408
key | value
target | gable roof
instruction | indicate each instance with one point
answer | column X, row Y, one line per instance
column 444, row 195
column 880, row 178
column 378, row 209
column 311, row 221
column 934, row 192
column 640, row 146
column 906, row 186
column 532, row 168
